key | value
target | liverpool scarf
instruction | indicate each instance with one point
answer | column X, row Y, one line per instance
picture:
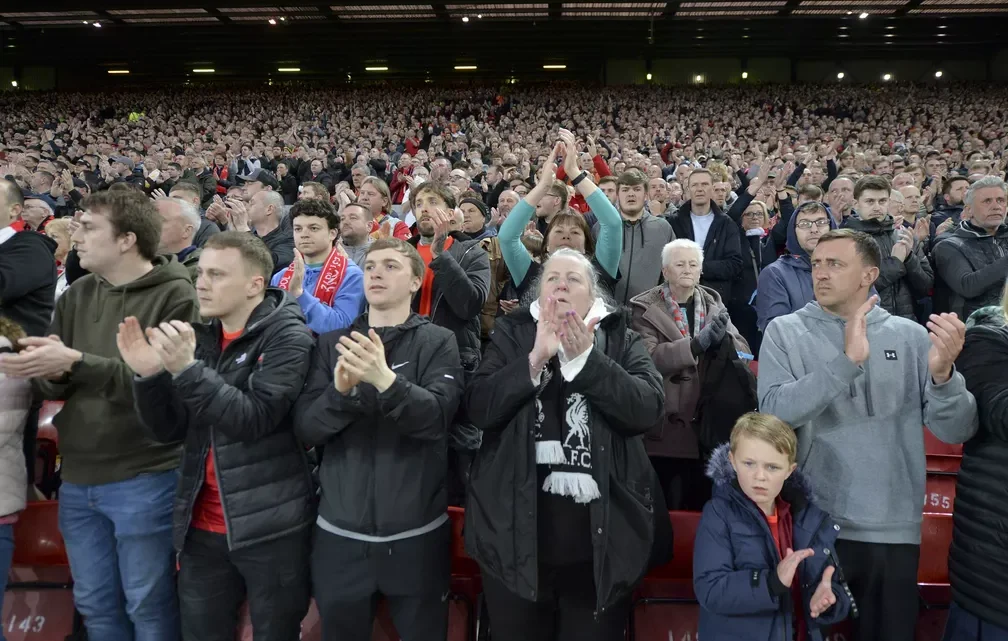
column 329, row 280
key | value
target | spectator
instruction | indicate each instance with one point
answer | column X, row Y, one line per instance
column 785, row 286
column 355, row 226
column 317, row 175
column 312, row 191
column 563, row 230
column 976, row 612
column 15, row 408
column 59, row 230
column 116, row 496
column 476, row 218
column 199, row 174
column 758, row 252
column 954, row 192
column 971, row 262
column 327, row 284
column 374, row 194
column 857, row 385
column 700, row 220
column 840, row 199
column 245, row 501
column 179, row 221
column 37, row 213
column 609, row 185
column 189, row 192
column 382, row 522
column 288, row 183
column 27, row 268
column 262, row 218
column 757, row 485
column 534, row 526
column 455, row 284
column 245, row 165
column 905, row 274
column 681, row 322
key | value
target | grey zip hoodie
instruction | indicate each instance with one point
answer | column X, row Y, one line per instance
column 859, row 428
column 640, row 264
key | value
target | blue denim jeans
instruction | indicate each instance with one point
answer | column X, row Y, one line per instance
column 6, row 555
column 119, row 542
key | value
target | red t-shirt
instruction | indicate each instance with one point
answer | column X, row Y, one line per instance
column 208, row 513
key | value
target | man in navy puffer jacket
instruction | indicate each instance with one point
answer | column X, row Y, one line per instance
column 764, row 567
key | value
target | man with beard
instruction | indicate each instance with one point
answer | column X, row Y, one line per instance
column 355, row 231
column 327, row 284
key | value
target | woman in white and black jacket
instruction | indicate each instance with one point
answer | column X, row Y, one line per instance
column 564, row 515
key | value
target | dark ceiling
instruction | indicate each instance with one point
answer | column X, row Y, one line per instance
column 411, row 39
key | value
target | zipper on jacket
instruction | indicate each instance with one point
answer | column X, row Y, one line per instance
column 633, row 234
column 437, row 301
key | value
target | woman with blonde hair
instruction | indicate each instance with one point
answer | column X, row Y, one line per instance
column 59, row 230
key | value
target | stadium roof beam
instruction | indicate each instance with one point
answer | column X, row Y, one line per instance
column 217, row 14
column 325, row 10
column 913, row 4
column 790, row 7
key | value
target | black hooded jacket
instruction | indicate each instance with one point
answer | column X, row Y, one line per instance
column 900, row 282
column 28, row 280
column 384, row 466
column 977, row 562
column 970, row 269
column 239, row 402
column 629, row 526
column 722, row 249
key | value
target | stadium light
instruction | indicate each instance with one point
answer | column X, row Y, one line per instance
column 745, row 75
column 840, row 76
column 465, row 67
column 96, row 25
column 887, row 77
column 272, row 21
column 465, row 18
column 698, row 78
column 13, row 83
column 122, row 72
column 649, row 76
column 864, row 14
column 288, row 69
column 373, row 69
column 938, row 74
column 203, row 70
column 554, row 66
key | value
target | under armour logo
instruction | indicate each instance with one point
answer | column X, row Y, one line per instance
column 890, row 355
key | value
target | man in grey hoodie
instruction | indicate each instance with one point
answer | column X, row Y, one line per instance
column 857, row 384
column 644, row 237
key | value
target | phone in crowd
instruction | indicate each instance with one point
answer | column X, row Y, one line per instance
column 155, row 175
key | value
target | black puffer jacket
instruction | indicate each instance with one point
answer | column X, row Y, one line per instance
column 384, row 462
column 239, row 402
column 461, row 284
column 900, row 282
column 977, row 561
column 629, row 526
column 970, row 269
column 28, row 280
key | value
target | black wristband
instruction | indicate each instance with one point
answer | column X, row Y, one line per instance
column 581, row 176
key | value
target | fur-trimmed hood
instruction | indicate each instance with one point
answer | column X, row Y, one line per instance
column 721, row 472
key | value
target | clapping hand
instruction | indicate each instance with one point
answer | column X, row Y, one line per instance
column 788, row 567
column 823, row 598
column 547, row 340
column 947, row 334
column 856, row 333
column 175, row 343
column 136, row 350
column 363, row 359
column 576, row 337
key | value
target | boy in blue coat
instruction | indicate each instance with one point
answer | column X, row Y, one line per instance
column 763, row 562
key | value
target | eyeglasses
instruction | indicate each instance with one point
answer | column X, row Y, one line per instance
column 822, row 223
column 753, row 214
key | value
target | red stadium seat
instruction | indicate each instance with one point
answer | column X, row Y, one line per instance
column 932, row 573
column 37, row 539
column 466, row 585
column 941, row 457
column 46, row 429
column 669, row 586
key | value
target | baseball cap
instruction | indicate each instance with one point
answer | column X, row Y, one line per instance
column 263, row 176
column 123, row 159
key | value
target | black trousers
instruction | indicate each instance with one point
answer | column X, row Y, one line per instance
column 349, row 576
column 883, row 580
column 684, row 482
column 213, row 582
column 565, row 610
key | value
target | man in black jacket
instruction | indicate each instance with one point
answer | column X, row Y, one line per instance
column 700, row 220
column 27, row 267
column 971, row 262
column 245, row 503
column 380, row 397
column 455, row 288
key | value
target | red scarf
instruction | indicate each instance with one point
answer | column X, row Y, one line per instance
column 329, row 280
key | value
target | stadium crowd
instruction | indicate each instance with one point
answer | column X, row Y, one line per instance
column 290, row 325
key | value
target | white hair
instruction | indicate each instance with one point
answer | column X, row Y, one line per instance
column 984, row 183
column 680, row 243
column 189, row 212
column 583, row 263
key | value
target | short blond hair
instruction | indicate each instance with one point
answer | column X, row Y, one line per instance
column 767, row 428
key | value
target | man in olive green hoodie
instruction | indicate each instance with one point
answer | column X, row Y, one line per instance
column 118, row 486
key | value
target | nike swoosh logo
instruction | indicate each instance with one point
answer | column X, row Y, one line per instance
column 398, row 365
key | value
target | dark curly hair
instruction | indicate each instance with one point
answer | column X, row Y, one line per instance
column 317, row 208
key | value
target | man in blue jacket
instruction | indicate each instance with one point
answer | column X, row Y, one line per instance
column 785, row 285
column 328, row 286
column 857, row 384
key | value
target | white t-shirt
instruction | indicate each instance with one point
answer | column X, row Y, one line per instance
column 701, row 225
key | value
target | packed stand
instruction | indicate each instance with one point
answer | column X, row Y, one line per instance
column 290, row 326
